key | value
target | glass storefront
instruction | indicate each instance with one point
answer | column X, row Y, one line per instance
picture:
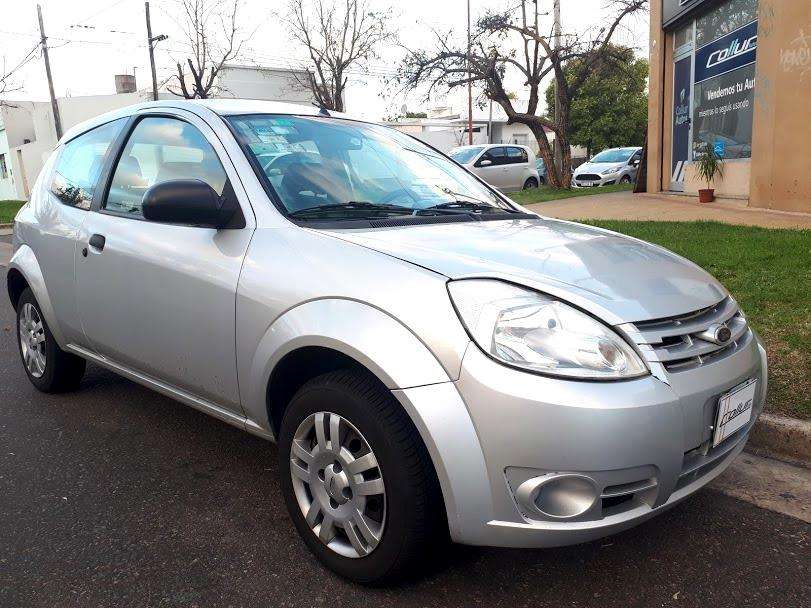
column 721, row 43
column 724, row 78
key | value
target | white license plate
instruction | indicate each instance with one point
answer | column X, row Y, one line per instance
column 587, row 184
column 734, row 410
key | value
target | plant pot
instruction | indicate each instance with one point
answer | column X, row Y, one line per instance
column 706, row 195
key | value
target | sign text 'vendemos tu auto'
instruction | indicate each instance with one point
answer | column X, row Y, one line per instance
column 724, row 94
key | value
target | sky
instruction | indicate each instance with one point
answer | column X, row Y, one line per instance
column 92, row 40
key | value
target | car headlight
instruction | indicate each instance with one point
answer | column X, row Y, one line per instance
column 611, row 170
column 536, row 332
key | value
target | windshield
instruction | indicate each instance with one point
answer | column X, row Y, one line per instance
column 618, row 155
column 465, row 155
column 340, row 169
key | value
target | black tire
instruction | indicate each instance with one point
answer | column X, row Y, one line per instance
column 625, row 179
column 415, row 522
column 530, row 183
column 63, row 371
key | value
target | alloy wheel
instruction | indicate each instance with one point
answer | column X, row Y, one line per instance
column 32, row 340
column 338, row 484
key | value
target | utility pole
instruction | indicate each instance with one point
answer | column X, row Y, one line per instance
column 54, row 106
column 558, row 151
column 152, row 40
column 469, row 84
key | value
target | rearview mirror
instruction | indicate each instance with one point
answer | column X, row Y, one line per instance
column 191, row 202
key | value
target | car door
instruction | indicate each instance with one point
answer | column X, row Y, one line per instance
column 494, row 172
column 517, row 168
column 159, row 299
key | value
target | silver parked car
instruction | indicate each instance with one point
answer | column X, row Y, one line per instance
column 433, row 360
column 507, row 167
column 612, row 166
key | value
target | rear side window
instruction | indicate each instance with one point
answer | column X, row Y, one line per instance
column 80, row 162
column 517, row 155
column 161, row 149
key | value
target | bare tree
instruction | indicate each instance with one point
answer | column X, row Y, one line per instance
column 213, row 38
column 510, row 42
column 338, row 35
column 9, row 81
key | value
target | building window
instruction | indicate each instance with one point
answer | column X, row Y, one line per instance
column 724, row 79
column 3, row 167
column 725, row 18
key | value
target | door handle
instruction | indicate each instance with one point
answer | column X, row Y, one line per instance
column 97, row 241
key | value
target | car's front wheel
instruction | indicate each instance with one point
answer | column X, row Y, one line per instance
column 357, row 479
column 48, row 367
column 626, row 179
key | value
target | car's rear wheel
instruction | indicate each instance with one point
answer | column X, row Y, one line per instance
column 530, row 183
column 48, row 367
column 357, row 479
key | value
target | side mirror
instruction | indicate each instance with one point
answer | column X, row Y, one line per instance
column 188, row 201
column 635, row 163
column 485, row 163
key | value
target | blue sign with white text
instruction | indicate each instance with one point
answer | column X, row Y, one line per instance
column 730, row 52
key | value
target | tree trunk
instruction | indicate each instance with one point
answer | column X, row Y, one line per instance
column 545, row 151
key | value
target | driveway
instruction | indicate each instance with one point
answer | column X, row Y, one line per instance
column 118, row 496
column 667, row 208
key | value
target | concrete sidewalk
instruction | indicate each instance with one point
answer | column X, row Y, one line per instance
column 667, row 208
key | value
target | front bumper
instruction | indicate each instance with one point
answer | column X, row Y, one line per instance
column 642, row 434
column 605, row 180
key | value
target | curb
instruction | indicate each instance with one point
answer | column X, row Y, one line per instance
column 6, row 226
column 781, row 438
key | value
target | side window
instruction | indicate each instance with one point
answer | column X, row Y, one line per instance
column 497, row 156
column 516, row 155
column 80, row 162
column 161, row 149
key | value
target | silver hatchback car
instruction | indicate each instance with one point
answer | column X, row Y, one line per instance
column 433, row 360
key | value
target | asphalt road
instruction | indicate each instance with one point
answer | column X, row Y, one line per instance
column 117, row 496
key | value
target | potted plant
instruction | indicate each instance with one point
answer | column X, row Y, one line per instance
column 708, row 165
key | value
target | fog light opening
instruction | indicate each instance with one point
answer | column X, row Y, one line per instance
column 559, row 496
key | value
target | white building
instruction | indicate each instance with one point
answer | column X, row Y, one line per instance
column 28, row 134
column 269, row 84
column 16, row 128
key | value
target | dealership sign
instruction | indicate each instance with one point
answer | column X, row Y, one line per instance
column 728, row 53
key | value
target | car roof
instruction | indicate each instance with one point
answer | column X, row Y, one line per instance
column 221, row 107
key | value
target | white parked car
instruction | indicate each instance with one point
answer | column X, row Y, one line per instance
column 612, row 166
column 507, row 167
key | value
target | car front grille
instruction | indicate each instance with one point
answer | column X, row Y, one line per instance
column 587, row 177
column 689, row 341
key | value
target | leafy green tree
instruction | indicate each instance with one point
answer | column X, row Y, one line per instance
column 611, row 108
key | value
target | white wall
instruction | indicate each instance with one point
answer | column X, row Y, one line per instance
column 246, row 82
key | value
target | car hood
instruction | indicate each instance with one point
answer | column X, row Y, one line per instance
column 616, row 277
column 595, row 167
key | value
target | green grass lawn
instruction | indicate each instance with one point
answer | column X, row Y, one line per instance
column 8, row 209
column 543, row 194
column 769, row 272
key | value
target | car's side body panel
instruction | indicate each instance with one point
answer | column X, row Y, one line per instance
column 281, row 290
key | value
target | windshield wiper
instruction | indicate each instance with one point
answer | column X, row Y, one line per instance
column 351, row 206
column 461, row 206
